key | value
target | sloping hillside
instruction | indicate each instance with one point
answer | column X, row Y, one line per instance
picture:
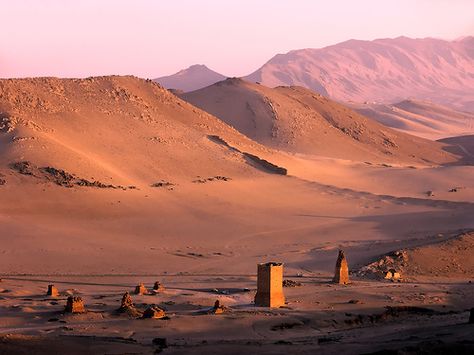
column 122, row 131
column 298, row 120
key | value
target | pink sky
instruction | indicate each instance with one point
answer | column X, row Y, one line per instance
column 154, row 38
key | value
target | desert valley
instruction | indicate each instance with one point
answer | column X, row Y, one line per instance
column 175, row 189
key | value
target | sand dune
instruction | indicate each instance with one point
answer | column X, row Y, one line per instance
column 383, row 70
column 192, row 78
column 297, row 120
column 420, row 118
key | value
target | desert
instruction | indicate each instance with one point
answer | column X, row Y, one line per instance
column 323, row 203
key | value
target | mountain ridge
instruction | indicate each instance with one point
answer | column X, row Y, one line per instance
column 382, row 70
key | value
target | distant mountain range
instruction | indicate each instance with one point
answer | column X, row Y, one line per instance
column 193, row 78
column 383, row 71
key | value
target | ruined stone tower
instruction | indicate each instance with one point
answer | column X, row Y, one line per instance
column 341, row 275
column 270, row 285
column 140, row 289
column 75, row 305
column 52, row 291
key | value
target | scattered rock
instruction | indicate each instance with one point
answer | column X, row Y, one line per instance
column 291, row 283
column 214, row 178
column 22, row 167
column 2, row 182
column 389, row 267
column 74, row 305
column 140, row 289
column 163, row 183
column 430, row 193
column 58, row 176
column 154, row 312
column 52, row 291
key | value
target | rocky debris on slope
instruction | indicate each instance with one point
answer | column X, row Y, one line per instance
column 2, row 181
column 22, row 167
column 154, row 312
column 386, row 267
column 214, row 178
column 165, row 184
column 449, row 258
column 59, row 176
column 266, row 165
column 52, row 291
column 8, row 124
column 75, row 305
column 291, row 283
column 17, row 139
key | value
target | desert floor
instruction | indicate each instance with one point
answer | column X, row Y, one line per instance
column 202, row 241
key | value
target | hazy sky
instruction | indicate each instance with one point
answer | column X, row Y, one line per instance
column 151, row 38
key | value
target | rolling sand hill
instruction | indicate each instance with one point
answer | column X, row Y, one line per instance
column 193, row 78
column 298, row 120
column 383, row 70
column 112, row 181
column 114, row 129
column 420, row 118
